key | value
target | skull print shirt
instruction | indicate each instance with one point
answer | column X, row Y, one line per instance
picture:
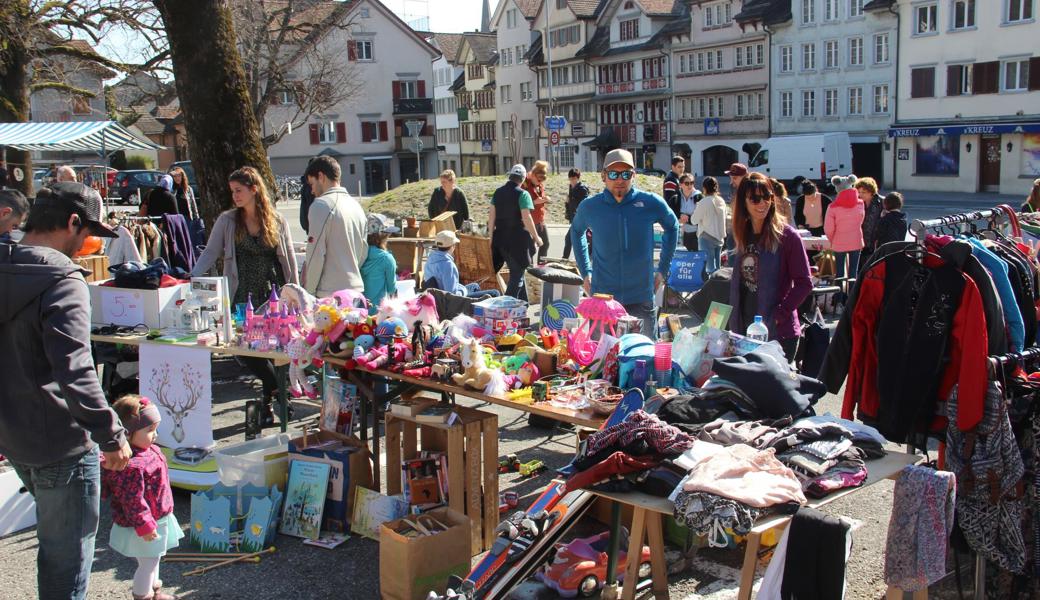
column 748, row 263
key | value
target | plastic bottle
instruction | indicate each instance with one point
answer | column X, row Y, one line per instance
column 758, row 331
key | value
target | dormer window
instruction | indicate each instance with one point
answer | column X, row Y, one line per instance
column 629, row 29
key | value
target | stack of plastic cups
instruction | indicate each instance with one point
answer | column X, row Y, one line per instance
column 663, row 363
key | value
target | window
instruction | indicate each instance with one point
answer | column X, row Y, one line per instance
column 408, row 89
column 922, row 82
column 364, row 50
column 881, row 99
column 527, row 128
column 958, row 80
column 506, row 55
column 809, row 57
column 809, row 103
column 749, row 105
column 511, row 18
column 629, row 29
column 926, row 19
column 1016, row 75
column 507, row 130
column 880, row 48
column 786, row 59
column 830, row 103
column 327, row 132
column 374, row 131
column 718, row 15
column 561, row 4
column 855, row 101
column 1019, row 10
column 830, row 10
column 786, row 105
column 856, row 52
column 808, row 11
column 521, row 50
column 855, row 8
column 830, row 54
column 525, row 92
column 566, row 36
column 504, row 92
column 963, row 14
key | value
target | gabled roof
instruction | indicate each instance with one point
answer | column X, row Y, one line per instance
column 586, row 8
column 528, row 7
column 769, row 12
column 459, row 83
column 449, row 44
column 656, row 8
column 599, row 44
column 483, row 45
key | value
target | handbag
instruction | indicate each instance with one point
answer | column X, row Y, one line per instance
column 196, row 226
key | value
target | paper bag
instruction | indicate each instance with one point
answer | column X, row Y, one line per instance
column 411, row 567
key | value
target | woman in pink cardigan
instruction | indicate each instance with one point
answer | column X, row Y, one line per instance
column 843, row 224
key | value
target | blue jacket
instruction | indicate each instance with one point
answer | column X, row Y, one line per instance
column 622, row 262
column 379, row 272
column 998, row 270
column 441, row 267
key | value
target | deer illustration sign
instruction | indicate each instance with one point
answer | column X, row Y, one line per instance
column 178, row 380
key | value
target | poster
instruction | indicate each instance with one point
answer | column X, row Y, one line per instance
column 1031, row 154
column 937, row 155
column 178, row 380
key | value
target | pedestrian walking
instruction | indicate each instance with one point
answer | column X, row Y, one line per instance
column 534, row 185
column 53, row 415
column 514, row 235
column 843, row 226
column 576, row 193
column 141, row 500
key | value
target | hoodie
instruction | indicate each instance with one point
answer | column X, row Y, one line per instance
column 843, row 222
column 441, row 273
column 51, row 404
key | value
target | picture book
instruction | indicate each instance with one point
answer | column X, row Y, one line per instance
column 328, row 540
column 440, row 413
column 305, row 499
column 372, row 509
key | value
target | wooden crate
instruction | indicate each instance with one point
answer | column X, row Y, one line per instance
column 408, row 252
column 476, row 262
column 97, row 264
column 429, row 228
column 472, row 447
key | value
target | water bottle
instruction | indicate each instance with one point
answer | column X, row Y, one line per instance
column 758, row 331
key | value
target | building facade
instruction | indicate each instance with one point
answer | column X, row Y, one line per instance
column 475, row 95
column 370, row 136
column 968, row 108
column 833, row 70
column 445, row 73
column 515, row 83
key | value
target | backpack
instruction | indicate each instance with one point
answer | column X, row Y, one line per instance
column 633, row 347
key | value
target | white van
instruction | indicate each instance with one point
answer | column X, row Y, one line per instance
column 816, row 156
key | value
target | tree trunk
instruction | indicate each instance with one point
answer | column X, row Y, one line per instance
column 222, row 131
column 14, row 88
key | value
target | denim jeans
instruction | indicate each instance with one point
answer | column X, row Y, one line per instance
column 713, row 250
column 648, row 313
column 473, row 291
column 517, row 286
column 68, row 500
column 839, row 259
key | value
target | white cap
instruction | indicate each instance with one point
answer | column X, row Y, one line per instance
column 518, row 171
column 445, row 239
column 378, row 223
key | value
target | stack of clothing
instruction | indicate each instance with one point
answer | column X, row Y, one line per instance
column 823, row 455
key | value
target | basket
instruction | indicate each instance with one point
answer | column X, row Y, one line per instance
column 605, row 405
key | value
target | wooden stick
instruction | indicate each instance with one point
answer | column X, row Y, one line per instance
column 201, row 570
column 254, row 559
column 209, row 554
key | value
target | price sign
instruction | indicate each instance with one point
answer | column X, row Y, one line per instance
column 122, row 307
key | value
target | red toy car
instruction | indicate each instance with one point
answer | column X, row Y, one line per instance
column 580, row 566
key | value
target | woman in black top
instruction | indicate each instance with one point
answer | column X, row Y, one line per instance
column 182, row 192
column 161, row 200
column 448, row 197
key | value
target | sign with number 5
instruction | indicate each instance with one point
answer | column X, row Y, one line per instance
column 122, row 307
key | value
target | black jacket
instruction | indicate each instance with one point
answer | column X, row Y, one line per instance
column 670, row 192
column 799, row 210
column 574, row 197
column 306, row 198
column 871, row 219
column 160, row 202
column 438, row 204
column 890, row 228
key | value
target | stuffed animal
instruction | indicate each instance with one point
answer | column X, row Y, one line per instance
column 475, row 373
column 528, row 373
column 377, row 358
column 328, row 328
column 390, row 329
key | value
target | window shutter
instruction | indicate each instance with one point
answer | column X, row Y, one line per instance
column 986, row 77
column 922, row 82
column 397, row 89
column 420, row 88
column 1034, row 74
column 313, row 129
column 341, row 133
column 953, row 80
column 352, row 51
column 382, row 131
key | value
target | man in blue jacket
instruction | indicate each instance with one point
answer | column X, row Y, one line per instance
column 623, row 217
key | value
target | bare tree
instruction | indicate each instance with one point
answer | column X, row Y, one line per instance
column 293, row 61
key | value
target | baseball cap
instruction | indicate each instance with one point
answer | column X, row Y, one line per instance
column 378, row 223
column 446, row 239
column 737, row 169
column 619, row 156
column 518, row 171
column 84, row 200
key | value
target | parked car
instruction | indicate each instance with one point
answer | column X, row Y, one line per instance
column 130, row 182
column 580, row 566
column 655, row 172
column 190, row 172
column 39, row 177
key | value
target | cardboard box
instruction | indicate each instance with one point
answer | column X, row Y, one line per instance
column 411, row 567
column 123, row 306
column 351, row 467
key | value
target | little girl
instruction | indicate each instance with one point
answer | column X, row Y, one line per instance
column 143, row 525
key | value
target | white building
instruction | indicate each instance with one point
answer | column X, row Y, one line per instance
column 515, row 82
column 833, row 70
column 968, row 109
column 369, row 135
column 445, row 106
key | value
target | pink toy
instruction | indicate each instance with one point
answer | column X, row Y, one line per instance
column 376, row 358
column 350, row 299
column 328, row 327
column 599, row 313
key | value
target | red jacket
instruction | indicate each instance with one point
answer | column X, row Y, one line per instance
column 140, row 494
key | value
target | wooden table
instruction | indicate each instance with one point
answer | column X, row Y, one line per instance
column 646, row 522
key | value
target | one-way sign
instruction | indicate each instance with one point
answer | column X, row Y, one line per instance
column 556, row 123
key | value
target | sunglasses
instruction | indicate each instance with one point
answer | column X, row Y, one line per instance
column 687, row 183
column 759, row 199
column 615, row 175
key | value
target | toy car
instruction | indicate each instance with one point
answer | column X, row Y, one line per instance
column 580, row 566
column 509, row 464
column 529, row 469
column 508, row 501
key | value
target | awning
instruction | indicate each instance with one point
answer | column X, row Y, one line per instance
column 964, row 129
column 92, row 136
column 606, row 140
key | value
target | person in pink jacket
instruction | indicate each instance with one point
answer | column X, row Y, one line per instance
column 843, row 224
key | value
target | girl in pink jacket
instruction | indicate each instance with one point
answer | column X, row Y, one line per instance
column 843, row 225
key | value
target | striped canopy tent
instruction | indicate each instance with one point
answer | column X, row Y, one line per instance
column 103, row 137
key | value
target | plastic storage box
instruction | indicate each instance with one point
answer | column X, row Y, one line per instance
column 263, row 462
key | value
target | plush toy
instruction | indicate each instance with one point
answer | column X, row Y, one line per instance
column 328, row 327
column 350, row 299
column 377, row 358
column 390, row 329
column 515, row 362
column 294, row 295
column 475, row 373
column 846, row 191
column 528, row 373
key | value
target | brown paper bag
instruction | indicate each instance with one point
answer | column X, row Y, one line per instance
column 410, row 567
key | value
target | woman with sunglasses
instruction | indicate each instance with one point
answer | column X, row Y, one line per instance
column 771, row 273
column 688, row 199
column 535, row 186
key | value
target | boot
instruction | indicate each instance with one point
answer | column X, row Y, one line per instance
column 266, row 412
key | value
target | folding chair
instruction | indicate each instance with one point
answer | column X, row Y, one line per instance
column 685, row 277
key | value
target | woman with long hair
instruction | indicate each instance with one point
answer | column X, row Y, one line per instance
column 1032, row 203
column 771, row 272
column 255, row 243
column 182, row 191
column 535, row 185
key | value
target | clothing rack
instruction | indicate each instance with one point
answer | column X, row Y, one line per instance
column 919, row 228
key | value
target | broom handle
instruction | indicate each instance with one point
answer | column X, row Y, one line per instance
column 201, row 570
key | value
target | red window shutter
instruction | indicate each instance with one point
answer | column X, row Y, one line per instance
column 313, row 128
column 1034, row 74
column 341, row 133
column 953, row 80
column 420, row 88
column 397, row 89
column 352, row 51
column 382, row 131
column 366, row 132
column 398, row 127
column 986, row 77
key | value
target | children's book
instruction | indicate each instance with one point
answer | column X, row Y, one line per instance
column 305, row 499
column 372, row 509
column 328, row 540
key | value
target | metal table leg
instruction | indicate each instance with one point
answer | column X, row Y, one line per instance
column 282, row 376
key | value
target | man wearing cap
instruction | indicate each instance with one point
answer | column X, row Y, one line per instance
column 53, row 414
column 513, row 234
column 623, row 217
column 441, row 273
column 671, row 185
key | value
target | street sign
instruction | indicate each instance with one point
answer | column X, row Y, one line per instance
column 485, row 146
column 417, row 146
column 554, row 138
column 556, row 122
column 414, row 128
column 577, row 129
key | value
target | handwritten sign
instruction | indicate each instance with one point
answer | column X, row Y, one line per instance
column 122, row 307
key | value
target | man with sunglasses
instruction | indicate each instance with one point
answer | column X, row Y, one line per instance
column 623, row 217
column 53, row 414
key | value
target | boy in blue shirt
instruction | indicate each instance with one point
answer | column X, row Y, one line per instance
column 441, row 273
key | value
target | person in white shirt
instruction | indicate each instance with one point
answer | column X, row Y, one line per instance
column 688, row 199
column 337, row 244
column 710, row 219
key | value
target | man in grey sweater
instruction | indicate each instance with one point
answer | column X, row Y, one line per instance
column 337, row 243
column 53, row 414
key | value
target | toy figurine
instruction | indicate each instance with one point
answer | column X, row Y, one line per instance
column 376, row 358
column 528, row 373
column 444, row 368
column 328, row 325
column 475, row 373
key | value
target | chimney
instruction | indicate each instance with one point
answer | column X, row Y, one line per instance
column 485, row 17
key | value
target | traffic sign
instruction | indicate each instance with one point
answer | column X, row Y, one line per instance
column 554, row 138
column 577, row 129
column 556, row 122
column 417, row 146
